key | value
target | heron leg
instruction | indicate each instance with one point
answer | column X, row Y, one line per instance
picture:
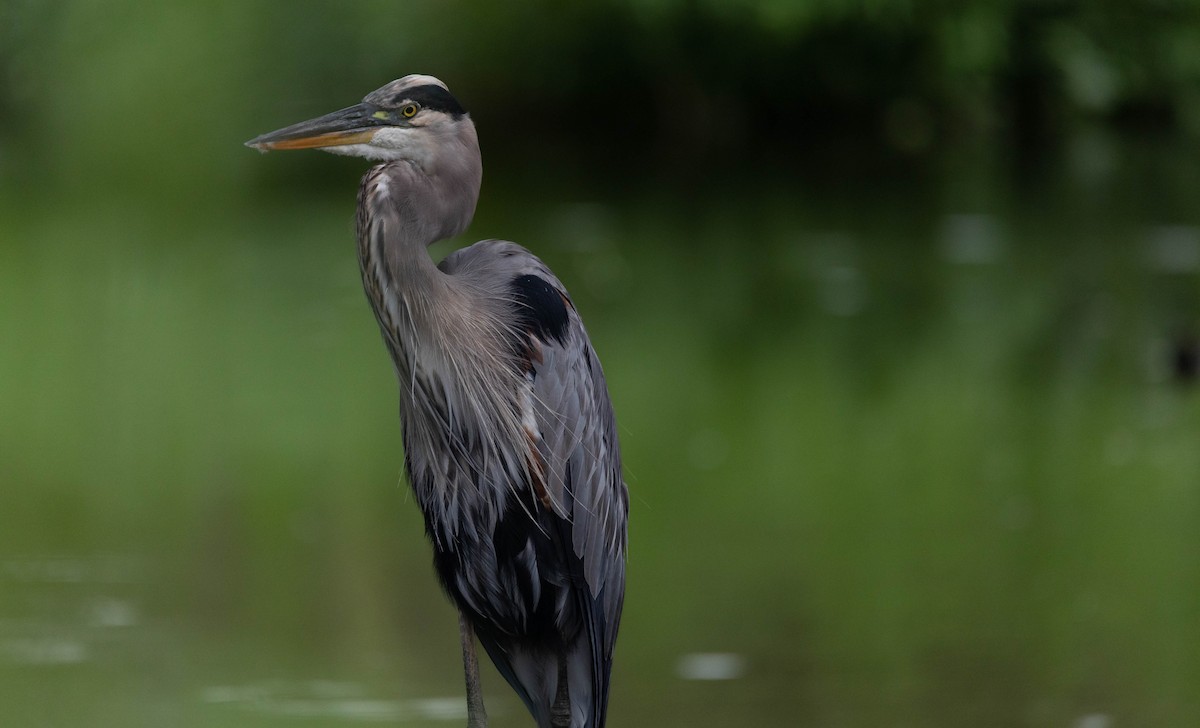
column 476, row 715
column 560, row 712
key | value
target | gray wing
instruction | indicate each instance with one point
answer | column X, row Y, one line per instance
column 578, row 449
column 576, row 430
column 578, row 446
column 575, row 455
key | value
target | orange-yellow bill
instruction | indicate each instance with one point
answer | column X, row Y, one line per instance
column 353, row 125
column 329, row 139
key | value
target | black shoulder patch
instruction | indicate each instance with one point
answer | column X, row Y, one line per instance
column 431, row 96
column 540, row 307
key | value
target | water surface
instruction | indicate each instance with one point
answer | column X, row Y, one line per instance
column 906, row 446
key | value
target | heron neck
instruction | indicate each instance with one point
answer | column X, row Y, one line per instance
column 402, row 211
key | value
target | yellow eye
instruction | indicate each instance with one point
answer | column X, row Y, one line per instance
column 409, row 111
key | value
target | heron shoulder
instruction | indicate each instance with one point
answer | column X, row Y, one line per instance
column 505, row 270
column 495, row 258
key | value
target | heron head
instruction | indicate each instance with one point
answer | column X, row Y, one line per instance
column 414, row 118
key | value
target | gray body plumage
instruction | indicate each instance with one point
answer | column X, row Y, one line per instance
column 509, row 437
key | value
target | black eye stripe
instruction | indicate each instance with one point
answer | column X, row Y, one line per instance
column 432, row 97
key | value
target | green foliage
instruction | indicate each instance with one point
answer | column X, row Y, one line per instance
column 113, row 86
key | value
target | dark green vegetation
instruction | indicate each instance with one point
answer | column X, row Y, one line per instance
column 904, row 390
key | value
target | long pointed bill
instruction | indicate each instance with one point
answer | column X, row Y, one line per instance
column 353, row 125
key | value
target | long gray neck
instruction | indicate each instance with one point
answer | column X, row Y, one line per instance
column 447, row 337
column 406, row 205
column 403, row 207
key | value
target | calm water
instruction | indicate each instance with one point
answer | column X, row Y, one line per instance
column 906, row 447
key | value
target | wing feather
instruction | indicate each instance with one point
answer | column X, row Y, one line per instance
column 578, row 498
column 578, row 444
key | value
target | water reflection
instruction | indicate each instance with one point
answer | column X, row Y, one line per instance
column 45, row 651
column 92, row 569
column 711, row 666
column 915, row 457
column 841, row 287
column 971, row 239
column 332, row 700
column 1173, row 248
column 59, row 610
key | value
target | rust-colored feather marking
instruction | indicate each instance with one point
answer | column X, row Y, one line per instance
column 537, row 471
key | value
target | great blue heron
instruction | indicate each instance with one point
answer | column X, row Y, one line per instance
column 509, row 438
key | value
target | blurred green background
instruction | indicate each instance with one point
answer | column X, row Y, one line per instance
column 898, row 304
